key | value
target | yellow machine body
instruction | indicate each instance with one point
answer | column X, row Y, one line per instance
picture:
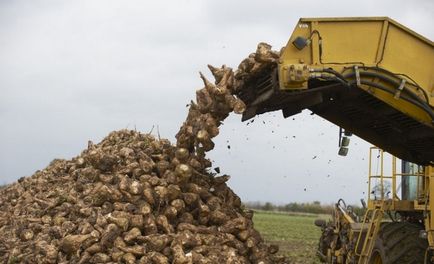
column 373, row 51
column 342, row 43
column 372, row 77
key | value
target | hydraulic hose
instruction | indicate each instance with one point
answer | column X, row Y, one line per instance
column 386, row 79
column 335, row 73
column 400, row 74
column 415, row 100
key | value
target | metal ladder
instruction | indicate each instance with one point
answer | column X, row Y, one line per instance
column 373, row 220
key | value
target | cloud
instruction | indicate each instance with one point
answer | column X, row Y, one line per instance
column 75, row 70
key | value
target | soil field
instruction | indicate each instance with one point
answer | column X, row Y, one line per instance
column 295, row 234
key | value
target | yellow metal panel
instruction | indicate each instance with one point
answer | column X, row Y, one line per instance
column 292, row 54
column 349, row 19
column 404, row 53
column 353, row 42
column 376, row 41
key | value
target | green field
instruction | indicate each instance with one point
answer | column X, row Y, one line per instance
column 295, row 234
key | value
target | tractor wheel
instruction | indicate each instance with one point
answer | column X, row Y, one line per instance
column 399, row 243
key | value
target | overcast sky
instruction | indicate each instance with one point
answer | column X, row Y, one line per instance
column 75, row 70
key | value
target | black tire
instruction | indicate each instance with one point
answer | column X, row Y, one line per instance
column 399, row 243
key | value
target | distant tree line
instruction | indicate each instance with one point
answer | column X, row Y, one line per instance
column 313, row 207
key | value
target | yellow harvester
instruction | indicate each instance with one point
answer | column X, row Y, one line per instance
column 372, row 77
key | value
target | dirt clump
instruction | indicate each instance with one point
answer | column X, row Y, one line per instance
column 133, row 198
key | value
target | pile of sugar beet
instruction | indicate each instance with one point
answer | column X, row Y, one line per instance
column 134, row 198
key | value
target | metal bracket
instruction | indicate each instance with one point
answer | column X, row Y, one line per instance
column 400, row 88
column 295, row 76
column 356, row 70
